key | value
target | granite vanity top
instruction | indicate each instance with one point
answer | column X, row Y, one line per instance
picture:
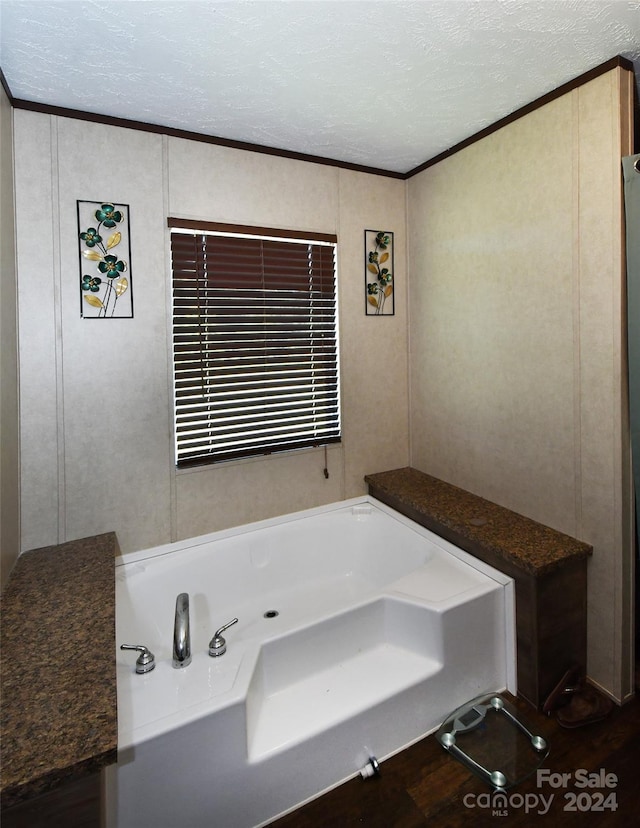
column 475, row 524
column 59, row 714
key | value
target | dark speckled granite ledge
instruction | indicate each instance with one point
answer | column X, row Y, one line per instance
column 476, row 524
column 59, row 714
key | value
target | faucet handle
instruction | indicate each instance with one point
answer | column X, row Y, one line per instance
column 146, row 661
column 218, row 645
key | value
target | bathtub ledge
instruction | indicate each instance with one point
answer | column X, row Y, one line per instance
column 549, row 569
column 485, row 529
column 59, row 713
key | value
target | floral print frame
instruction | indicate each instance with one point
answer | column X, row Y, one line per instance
column 379, row 274
column 105, row 260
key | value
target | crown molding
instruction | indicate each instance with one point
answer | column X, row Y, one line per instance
column 126, row 123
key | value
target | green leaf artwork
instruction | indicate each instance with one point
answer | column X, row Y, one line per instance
column 378, row 246
column 105, row 291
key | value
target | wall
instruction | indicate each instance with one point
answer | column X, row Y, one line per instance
column 517, row 371
column 516, row 350
column 96, row 425
column 9, row 462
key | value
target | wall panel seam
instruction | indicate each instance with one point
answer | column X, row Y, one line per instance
column 58, row 332
column 166, row 199
column 577, row 343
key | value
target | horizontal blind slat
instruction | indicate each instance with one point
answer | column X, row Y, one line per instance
column 196, row 457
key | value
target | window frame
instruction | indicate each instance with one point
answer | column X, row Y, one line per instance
column 311, row 310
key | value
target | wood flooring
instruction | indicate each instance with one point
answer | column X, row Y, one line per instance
column 425, row 786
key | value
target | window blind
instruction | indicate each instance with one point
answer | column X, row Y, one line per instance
column 254, row 342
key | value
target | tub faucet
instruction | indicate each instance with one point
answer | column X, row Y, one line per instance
column 181, row 632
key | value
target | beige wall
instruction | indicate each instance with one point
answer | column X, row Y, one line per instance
column 514, row 304
column 9, row 462
column 96, row 450
column 516, row 346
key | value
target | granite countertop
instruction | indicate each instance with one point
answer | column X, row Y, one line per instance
column 475, row 524
column 59, row 714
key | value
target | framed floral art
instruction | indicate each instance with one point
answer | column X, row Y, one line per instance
column 379, row 275
column 105, row 260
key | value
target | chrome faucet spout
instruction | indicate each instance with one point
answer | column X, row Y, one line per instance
column 182, row 632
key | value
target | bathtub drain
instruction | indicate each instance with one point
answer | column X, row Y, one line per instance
column 271, row 614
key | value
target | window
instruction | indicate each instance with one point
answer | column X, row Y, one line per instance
column 254, row 341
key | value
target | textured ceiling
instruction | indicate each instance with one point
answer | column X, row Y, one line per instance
column 388, row 84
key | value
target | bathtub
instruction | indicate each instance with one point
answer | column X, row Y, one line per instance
column 358, row 631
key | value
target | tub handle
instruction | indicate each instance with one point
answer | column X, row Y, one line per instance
column 218, row 645
column 146, row 661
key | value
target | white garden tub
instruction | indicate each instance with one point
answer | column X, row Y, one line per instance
column 381, row 629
